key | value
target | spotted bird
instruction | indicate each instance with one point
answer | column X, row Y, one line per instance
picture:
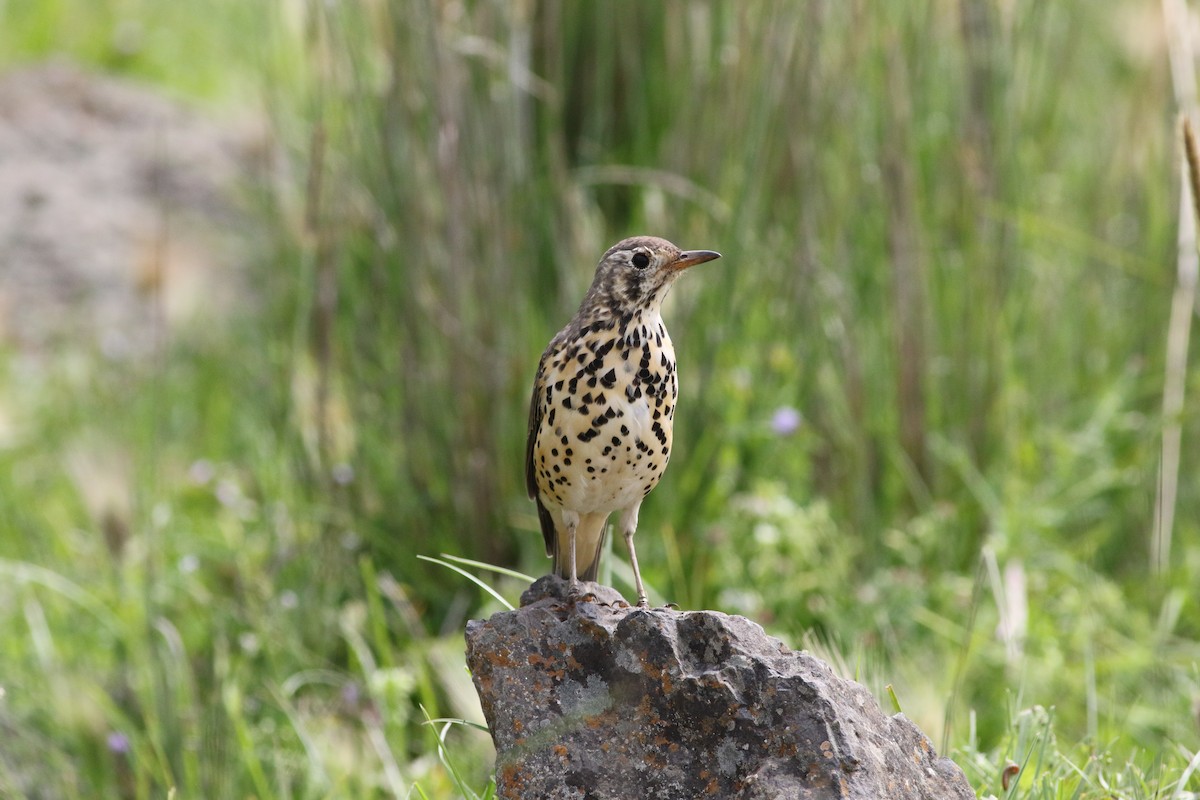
column 602, row 406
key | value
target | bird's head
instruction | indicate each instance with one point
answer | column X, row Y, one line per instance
column 637, row 273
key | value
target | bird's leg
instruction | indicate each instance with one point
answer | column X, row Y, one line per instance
column 629, row 519
column 574, row 571
column 637, row 574
column 572, row 523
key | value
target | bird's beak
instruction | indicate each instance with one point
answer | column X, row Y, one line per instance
column 689, row 258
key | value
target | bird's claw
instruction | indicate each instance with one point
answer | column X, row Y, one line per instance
column 575, row 594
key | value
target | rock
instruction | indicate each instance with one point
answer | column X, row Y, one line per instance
column 593, row 698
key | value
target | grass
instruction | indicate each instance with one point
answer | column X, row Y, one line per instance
column 948, row 232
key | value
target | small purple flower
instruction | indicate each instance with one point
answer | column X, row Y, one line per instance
column 343, row 474
column 118, row 743
column 785, row 421
column 201, row 471
column 228, row 493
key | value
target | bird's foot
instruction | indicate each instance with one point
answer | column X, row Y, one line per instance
column 576, row 594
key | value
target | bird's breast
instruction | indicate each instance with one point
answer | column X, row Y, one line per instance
column 609, row 401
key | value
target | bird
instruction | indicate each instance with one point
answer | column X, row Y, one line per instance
column 600, row 417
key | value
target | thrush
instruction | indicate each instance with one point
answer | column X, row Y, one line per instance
column 602, row 407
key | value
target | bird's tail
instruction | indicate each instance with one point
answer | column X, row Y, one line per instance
column 589, row 541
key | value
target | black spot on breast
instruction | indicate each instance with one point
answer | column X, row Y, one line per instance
column 659, row 433
column 588, row 435
column 609, row 379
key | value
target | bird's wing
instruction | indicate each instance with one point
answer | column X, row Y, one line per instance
column 535, row 421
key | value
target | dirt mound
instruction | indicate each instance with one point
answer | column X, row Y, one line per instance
column 118, row 212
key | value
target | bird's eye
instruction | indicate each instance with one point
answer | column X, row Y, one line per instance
column 641, row 260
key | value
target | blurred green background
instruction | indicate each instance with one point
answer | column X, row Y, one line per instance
column 920, row 423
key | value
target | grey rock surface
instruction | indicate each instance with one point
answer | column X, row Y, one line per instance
column 591, row 698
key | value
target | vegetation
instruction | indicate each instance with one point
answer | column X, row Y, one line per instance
column 920, row 419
